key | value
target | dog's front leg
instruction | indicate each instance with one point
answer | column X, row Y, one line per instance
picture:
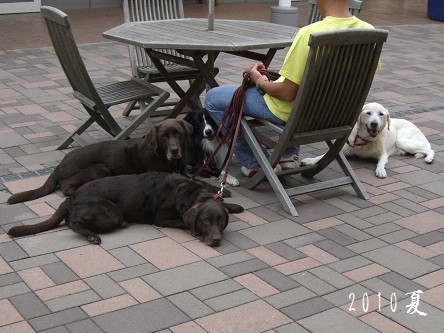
column 380, row 168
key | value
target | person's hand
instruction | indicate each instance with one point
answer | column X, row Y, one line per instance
column 255, row 75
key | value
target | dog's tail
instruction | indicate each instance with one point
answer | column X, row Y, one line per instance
column 51, row 223
column 50, row 186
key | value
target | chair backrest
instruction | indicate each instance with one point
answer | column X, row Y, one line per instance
column 149, row 10
column 314, row 15
column 59, row 29
column 338, row 75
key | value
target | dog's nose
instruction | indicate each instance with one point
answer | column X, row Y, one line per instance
column 374, row 124
column 208, row 131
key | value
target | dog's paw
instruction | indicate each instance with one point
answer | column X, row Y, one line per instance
column 429, row 159
column 381, row 173
column 233, row 208
column 94, row 239
column 308, row 161
column 232, row 180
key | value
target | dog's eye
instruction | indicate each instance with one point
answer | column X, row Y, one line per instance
column 381, row 114
column 368, row 113
column 206, row 222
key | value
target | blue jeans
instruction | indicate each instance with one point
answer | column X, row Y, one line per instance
column 217, row 101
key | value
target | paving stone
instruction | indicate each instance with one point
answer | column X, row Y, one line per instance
column 59, row 273
column 400, row 282
column 190, row 305
column 313, row 283
column 71, row 301
column 335, row 321
column 349, row 264
column 216, row 289
column 383, row 218
column 57, row 319
column 132, row 272
column 438, row 260
column 160, row 314
column 185, row 277
column 104, row 286
column 354, row 221
column 398, row 236
column 419, row 177
column 397, row 209
column 428, row 238
column 332, row 277
column 299, row 241
column 401, row 261
column 29, row 305
column 369, row 212
column 229, row 259
column 244, row 267
column 276, row 279
column 367, row 245
column 274, row 231
column 10, row 251
column 290, row 297
column 133, row 234
column 11, row 278
column 229, row 300
column 383, row 229
column 285, row 251
column 15, row 213
column 337, row 236
column 307, row 308
column 291, row 328
column 127, row 256
column 335, row 249
column 239, row 240
column 83, row 326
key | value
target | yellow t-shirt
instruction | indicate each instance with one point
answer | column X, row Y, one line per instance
column 296, row 58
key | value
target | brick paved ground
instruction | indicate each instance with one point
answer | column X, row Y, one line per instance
column 272, row 272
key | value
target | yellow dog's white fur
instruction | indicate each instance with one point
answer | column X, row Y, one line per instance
column 380, row 137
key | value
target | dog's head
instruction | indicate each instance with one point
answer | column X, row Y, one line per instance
column 203, row 125
column 207, row 219
column 169, row 137
column 372, row 120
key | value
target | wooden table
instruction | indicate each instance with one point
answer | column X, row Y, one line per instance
column 250, row 39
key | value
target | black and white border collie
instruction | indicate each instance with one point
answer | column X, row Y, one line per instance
column 201, row 145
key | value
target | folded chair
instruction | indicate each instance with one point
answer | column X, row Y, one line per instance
column 353, row 5
column 141, row 64
column 339, row 72
column 96, row 101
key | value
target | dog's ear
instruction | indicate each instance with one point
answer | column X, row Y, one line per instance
column 151, row 136
column 388, row 121
column 187, row 127
column 189, row 217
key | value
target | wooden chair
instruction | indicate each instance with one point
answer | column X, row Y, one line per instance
column 353, row 5
column 340, row 68
column 141, row 64
column 96, row 101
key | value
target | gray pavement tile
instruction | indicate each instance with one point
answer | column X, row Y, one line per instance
column 436, row 187
column 376, row 285
column 369, row 212
column 9, row 278
column 307, row 308
column 354, row 221
column 57, row 319
column 438, row 260
column 428, row 238
column 335, row 321
column 127, row 256
column 347, row 295
column 15, row 213
column 291, row 328
column 190, row 305
column 383, row 229
column 60, row 329
column 274, row 231
column 415, row 322
column 104, row 286
column 416, row 193
column 83, row 326
column 230, row 300
column 244, row 267
column 239, row 240
column 71, row 301
column 367, row 245
column 349, row 264
column 309, row 212
column 285, row 251
column 266, row 214
column 147, row 317
column 401, row 261
column 235, row 226
column 400, row 282
column 342, row 204
column 216, row 289
column 353, row 232
column 10, row 251
column 59, row 272
column 185, row 277
column 11, row 140
column 397, row 209
column 313, row 283
column 398, row 236
column 26, row 263
column 419, row 177
column 332, row 277
column 383, row 218
column 337, row 236
column 29, row 305
column 276, row 279
column 13, row 290
column 335, row 249
column 132, row 272
column 290, row 297
column 230, row 259
column 304, row 240
column 135, row 233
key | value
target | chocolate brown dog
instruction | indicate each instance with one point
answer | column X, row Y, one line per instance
column 162, row 149
column 158, row 198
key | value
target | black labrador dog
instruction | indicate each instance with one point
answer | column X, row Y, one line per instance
column 162, row 149
column 158, row 198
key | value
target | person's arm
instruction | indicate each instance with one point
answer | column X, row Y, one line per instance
column 285, row 90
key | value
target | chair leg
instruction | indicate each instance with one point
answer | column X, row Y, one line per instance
column 130, row 107
column 267, row 170
column 348, row 170
column 78, row 131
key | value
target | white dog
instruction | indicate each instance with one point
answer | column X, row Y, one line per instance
column 375, row 135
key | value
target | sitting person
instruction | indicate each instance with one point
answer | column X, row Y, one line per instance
column 273, row 101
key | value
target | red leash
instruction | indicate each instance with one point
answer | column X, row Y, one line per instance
column 231, row 125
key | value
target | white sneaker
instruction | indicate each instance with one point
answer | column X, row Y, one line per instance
column 251, row 172
column 289, row 162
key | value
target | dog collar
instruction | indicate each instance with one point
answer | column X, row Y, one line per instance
column 358, row 141
column 217, row 197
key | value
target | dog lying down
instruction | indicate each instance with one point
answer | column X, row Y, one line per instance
column 158, row 198
column 162, row 149
column 378, row 136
